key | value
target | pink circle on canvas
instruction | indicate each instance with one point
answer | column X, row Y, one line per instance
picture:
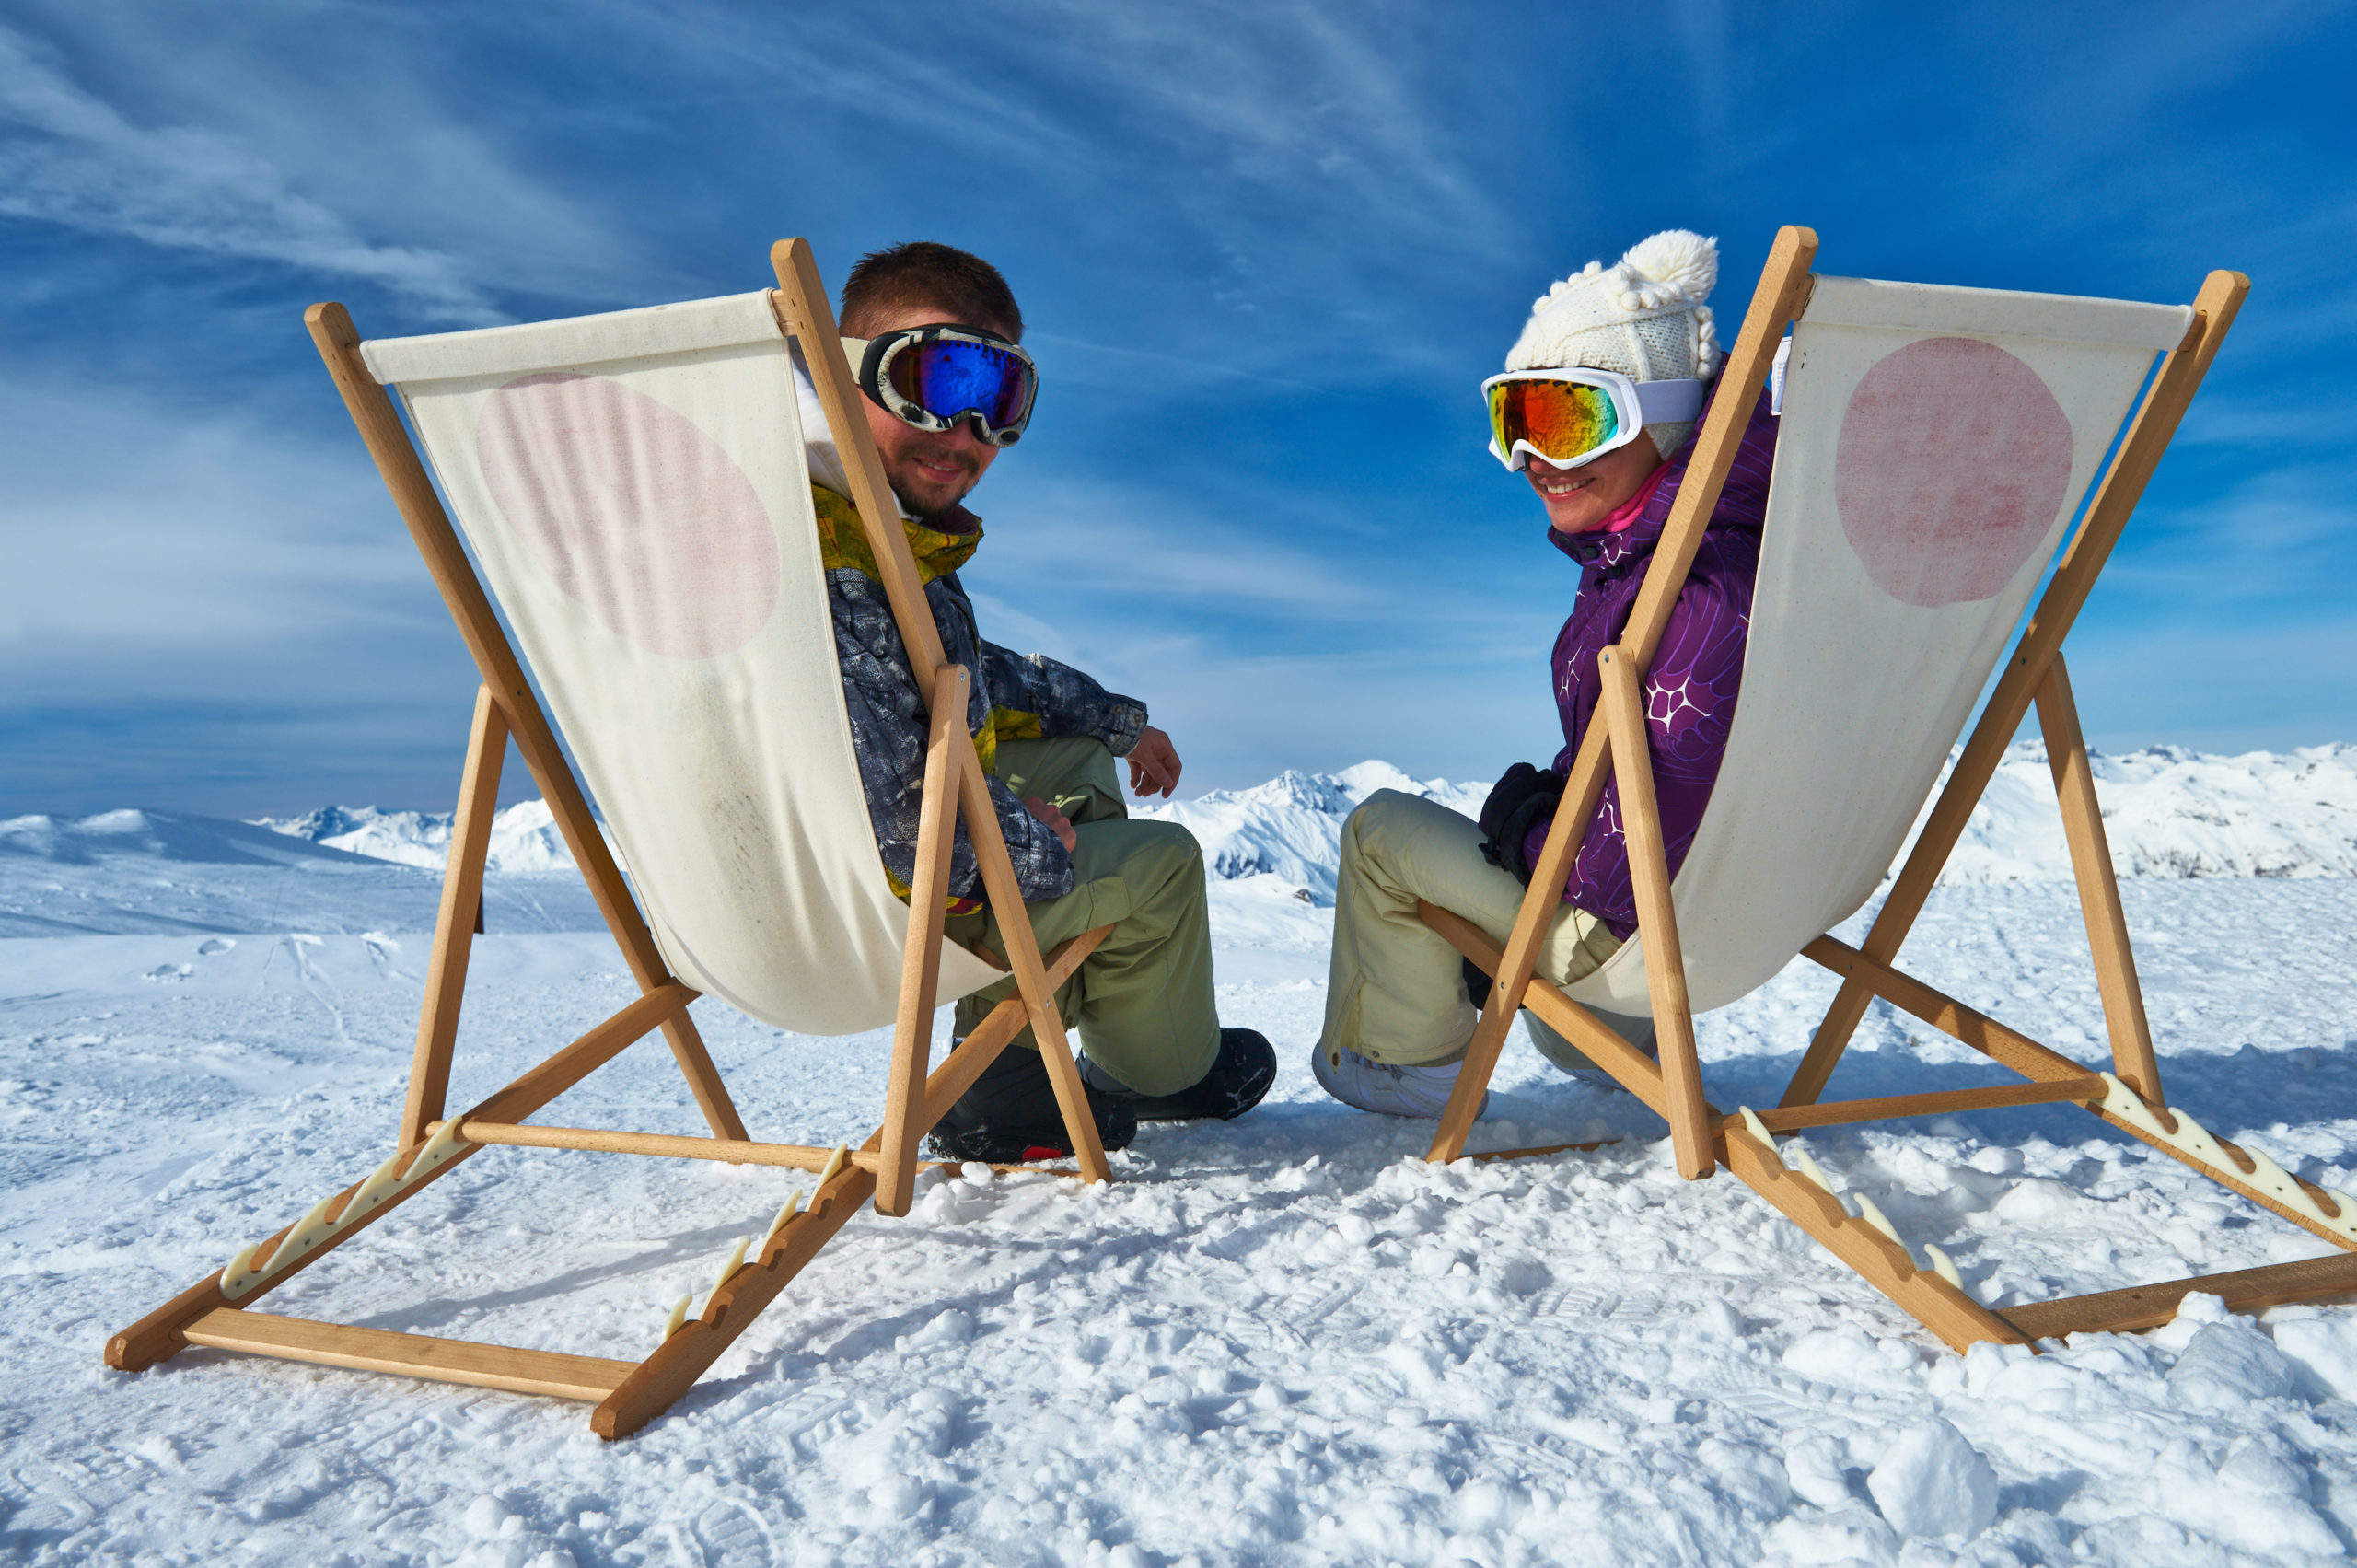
column 639, row 517
column 1952, row 461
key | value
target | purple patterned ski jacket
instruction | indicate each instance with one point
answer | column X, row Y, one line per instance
column 1690, row 694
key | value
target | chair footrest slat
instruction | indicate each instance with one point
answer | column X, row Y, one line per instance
column 1832, row 1113
column 2149, row 1306
column 416, row 1355
column 599, row 1140
column 730, row 1151
column 1540, row 1152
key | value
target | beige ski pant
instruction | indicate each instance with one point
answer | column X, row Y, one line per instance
column 1395, row 990
column 1142, row 1003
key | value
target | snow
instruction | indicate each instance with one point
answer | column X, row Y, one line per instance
column 1931, row 1481
column 1283, row 1340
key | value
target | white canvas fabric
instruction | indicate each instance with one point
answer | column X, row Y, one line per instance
column 635, row 490
column 1936, row 444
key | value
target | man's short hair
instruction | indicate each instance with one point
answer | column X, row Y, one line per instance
column 965, row 288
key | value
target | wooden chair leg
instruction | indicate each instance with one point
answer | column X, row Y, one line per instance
column 673, row 1369
column 1480, row 1058
column 696, row 1065
column 920, row 962
column 1023, row 956
column 2115, row 959
column 455, row 926
column 1624, row 712
column 1511, row 978
column 1630, row 1068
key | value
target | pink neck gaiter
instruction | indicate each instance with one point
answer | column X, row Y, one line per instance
column 1629, row 511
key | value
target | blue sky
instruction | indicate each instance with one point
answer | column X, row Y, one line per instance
column 1265, row 250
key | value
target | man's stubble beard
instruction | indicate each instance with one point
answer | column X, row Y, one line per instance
column 917, row 508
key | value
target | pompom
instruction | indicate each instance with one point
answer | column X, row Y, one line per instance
column 1585, row 319
column 1683, row 262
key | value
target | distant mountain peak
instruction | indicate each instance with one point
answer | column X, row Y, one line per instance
column 524, row 836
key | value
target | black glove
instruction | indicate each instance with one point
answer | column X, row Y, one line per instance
column 1477, row 985
column 1518, row 802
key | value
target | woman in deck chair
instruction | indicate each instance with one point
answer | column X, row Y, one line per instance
column 1609, row 379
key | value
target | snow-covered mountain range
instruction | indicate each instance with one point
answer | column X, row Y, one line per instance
column 2169, row 812
column 523, row 836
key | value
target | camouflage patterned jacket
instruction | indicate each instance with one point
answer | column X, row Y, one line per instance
column 1015, row 697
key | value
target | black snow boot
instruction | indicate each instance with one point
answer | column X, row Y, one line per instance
column 1010, row 1116
column 1240, row 1075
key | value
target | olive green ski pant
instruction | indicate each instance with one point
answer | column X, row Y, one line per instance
column 1142, row 1003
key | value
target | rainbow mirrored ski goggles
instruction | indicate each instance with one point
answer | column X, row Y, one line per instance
column 1569, row 416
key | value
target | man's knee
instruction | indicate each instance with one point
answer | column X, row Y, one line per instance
column 1157, row 866
column 1165, row 853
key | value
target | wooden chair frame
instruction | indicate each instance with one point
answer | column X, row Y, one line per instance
column 629, row 1394
column 1703, row 1140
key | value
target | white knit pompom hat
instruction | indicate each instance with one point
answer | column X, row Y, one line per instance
column 1643, row 317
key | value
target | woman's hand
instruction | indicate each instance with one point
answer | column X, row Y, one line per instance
column 1153, row 764
column 1057, row 823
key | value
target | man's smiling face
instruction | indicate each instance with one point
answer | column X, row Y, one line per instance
column 930, row 470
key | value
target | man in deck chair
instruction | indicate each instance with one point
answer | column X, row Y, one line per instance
column 933, row 334
column 1610, row 375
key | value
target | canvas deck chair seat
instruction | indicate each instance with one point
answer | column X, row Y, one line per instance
column 1936, row 446
column 635, row 490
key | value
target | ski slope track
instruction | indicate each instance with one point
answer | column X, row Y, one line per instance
column 1280, row 1341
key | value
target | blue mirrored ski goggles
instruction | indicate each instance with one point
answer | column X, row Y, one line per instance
column 934, row 377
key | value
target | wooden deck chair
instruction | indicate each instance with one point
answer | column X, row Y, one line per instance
column 1891, row 575
column 634, row 488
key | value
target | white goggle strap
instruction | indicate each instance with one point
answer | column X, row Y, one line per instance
column 1656, row 402
column 1668, row 402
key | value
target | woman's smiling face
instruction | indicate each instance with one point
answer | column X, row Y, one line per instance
column 1579, row 499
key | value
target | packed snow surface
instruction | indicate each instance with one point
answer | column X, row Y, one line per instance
column 1283, row 1340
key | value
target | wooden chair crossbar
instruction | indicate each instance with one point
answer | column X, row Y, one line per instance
column 216, row 1311
column 2128, row 1094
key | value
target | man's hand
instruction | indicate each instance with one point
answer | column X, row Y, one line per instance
column 1154, row 765
column 1057, row 823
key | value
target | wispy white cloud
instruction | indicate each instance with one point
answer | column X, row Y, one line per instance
column 1280, row 162
column 69, row 159
column 1086, row 364
column 1296, row 96
column 1088, row 536
column 150, row 541
column 2285, row 529
column 1238, row 718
